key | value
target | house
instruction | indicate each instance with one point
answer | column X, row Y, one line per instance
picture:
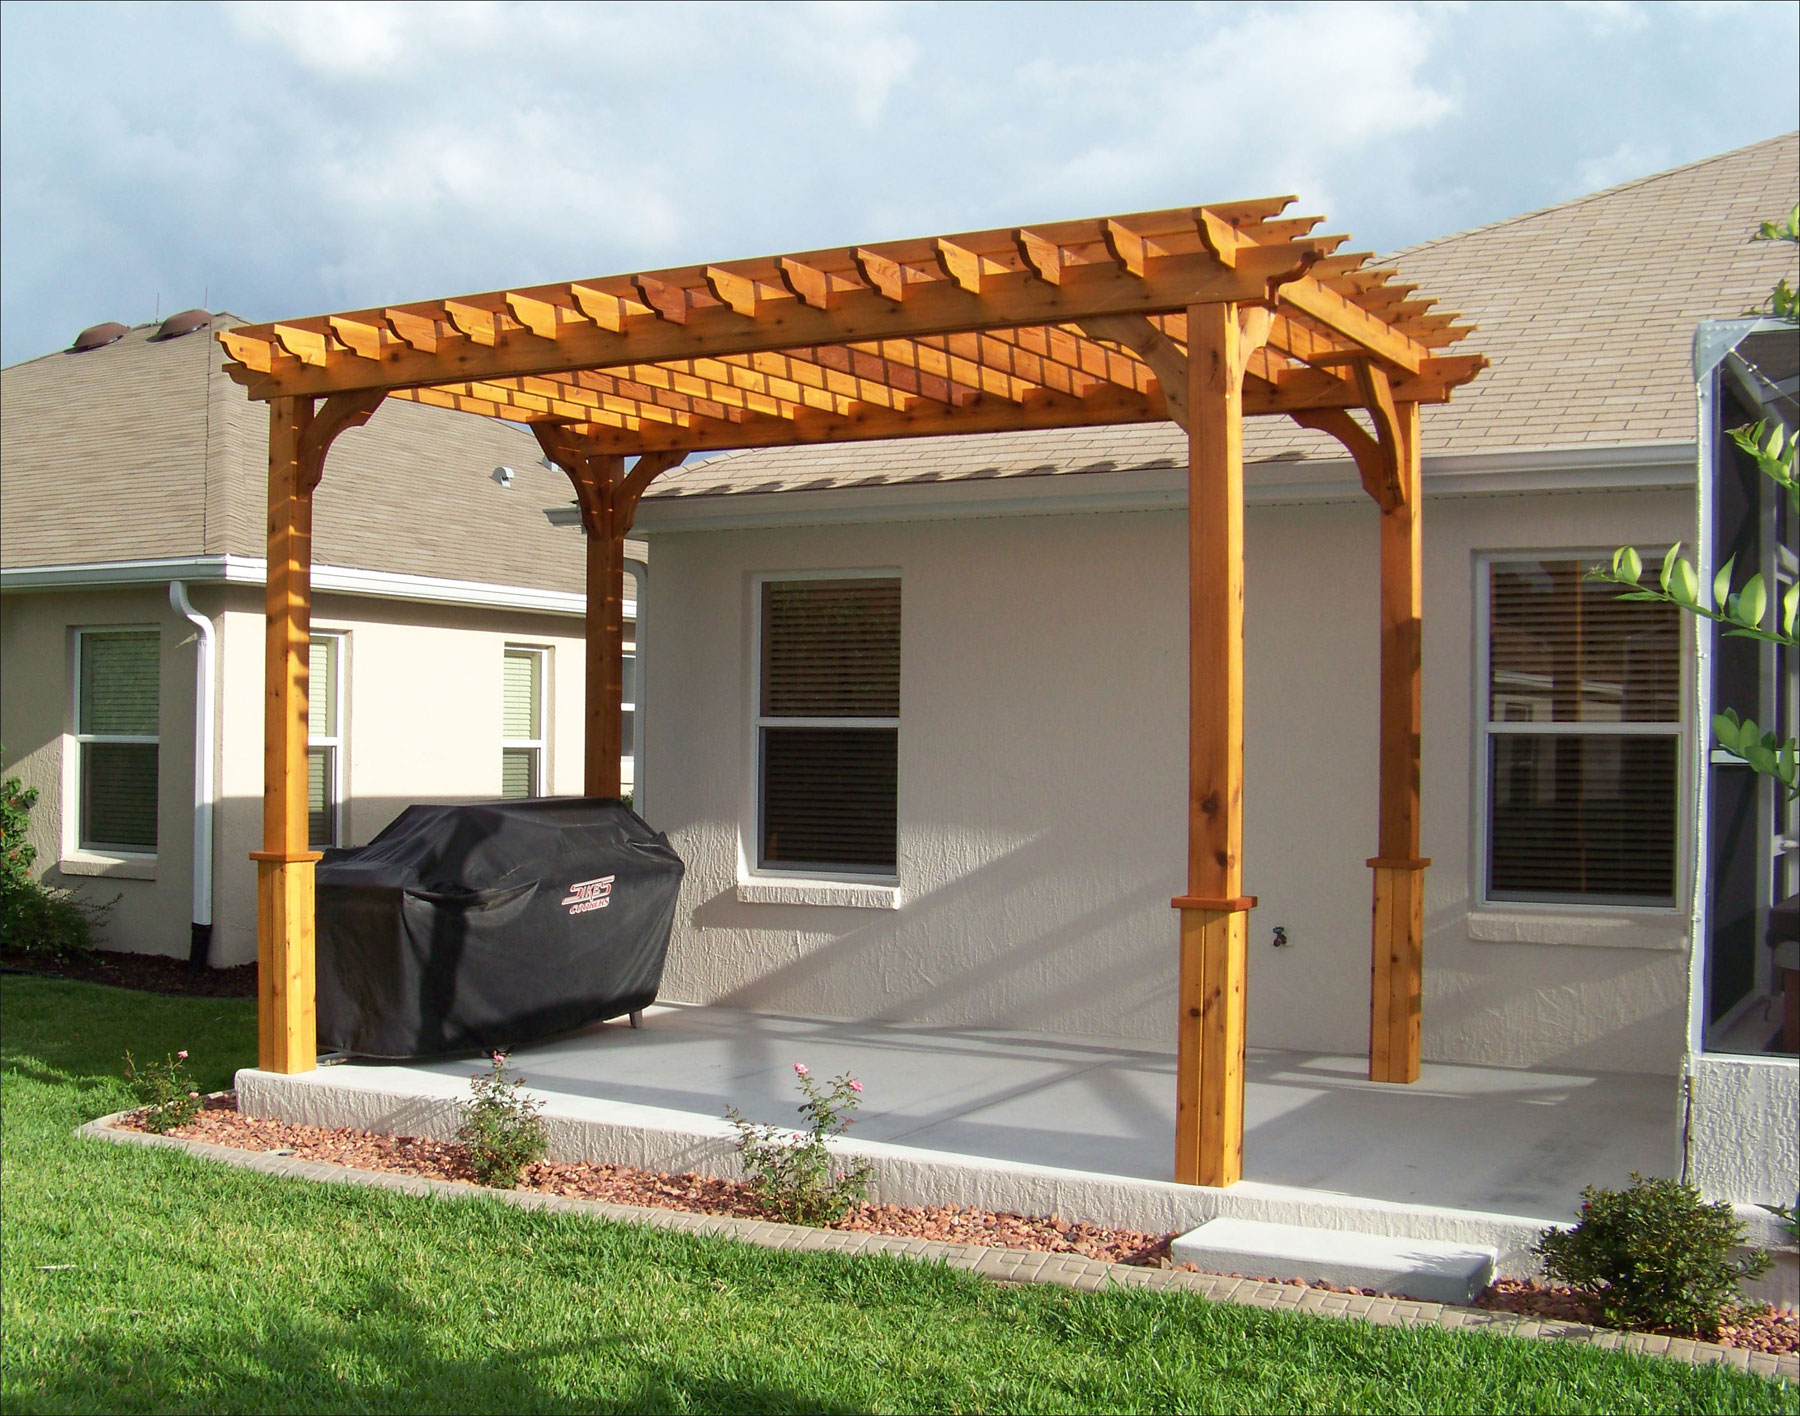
column 917, row 709
column 446, row 662
column 1010, row 801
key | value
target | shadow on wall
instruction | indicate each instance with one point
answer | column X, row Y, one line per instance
column 1035, row 957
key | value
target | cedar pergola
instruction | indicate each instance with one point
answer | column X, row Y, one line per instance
column 1202, row 315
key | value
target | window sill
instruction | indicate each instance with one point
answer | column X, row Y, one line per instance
column 843, row 894
column 109, row 867
column 1662, row 932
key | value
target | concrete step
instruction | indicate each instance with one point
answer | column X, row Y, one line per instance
column 1427, row 1269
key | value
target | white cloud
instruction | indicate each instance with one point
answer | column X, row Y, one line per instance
column 1626, row 162
column 1608, row 15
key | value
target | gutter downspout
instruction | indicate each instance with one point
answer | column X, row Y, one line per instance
column 200, row 942
column 640, row 572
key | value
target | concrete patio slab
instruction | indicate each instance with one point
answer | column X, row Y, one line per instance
column 1077, row 1126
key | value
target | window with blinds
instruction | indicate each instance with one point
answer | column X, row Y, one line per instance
column 324, row 741
column 1581, row 738
column 117, row 701
column 828, row 725
column 522, row 722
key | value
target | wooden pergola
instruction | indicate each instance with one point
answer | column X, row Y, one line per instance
column 1202, row 315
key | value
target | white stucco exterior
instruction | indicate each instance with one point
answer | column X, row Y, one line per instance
column 1042, row 779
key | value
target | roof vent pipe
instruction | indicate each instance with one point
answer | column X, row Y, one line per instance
column 200, row 942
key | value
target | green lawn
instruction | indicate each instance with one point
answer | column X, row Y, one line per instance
column 193, row 1287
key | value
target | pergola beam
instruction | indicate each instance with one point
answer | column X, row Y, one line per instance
column 931, row 307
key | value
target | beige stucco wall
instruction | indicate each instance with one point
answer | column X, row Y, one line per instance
column 1042, row 786
column 37, row 717
column 422, row 695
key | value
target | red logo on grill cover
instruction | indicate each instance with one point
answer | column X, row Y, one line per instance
column 585, row 895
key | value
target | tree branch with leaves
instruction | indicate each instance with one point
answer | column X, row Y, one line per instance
column 1746, row 613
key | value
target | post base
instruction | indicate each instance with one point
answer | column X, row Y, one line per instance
column 1396, row 987
column 1209, row 1066
column 287, row 1031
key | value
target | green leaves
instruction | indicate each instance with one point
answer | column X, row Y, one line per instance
column 1762, row 752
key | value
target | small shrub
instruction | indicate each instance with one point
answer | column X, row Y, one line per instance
column 36, row 918
column 16, row 853
column 164, row 1090
column 1655, row 1255
column 501, row 1127
column 791, row 1172
column 40, row 919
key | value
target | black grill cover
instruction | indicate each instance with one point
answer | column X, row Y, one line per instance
column 490, row 925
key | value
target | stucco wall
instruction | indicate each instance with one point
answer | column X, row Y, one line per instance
column 37, row 717
column 422, row 695
column 1042, row 786
column 1743, row 1128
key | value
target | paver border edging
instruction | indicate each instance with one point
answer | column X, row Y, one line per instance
column 1009, row 1265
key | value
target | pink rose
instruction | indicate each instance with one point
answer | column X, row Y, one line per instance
column 856, row 1086
column 801, row 1070
column 182, row 1054
column 194, row 1095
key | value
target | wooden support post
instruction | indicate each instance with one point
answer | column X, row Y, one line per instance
column 299, row 437
column 1396, row 992
column 287, row 1037
column 1209, row 1108
column 608, row 499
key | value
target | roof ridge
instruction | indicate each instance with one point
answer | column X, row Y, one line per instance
column 1604, row 192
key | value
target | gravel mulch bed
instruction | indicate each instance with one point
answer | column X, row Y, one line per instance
column 149, row 973
column 1762, row 1329
column 220, row 1123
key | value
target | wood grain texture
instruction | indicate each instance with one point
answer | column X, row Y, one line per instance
column 1209, row 1107
column 1397, row 990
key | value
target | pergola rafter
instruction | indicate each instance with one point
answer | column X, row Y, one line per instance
column 1200, row 315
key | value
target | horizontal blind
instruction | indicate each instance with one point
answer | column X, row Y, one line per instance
column 321, row 814
column 519, row 717
column 1582, row 817
column 518, row 771
column 1586, row 814
column 1567, row 650
column 119, row 683
column 118, row 795
column 321, row 688
column 828, row 797
column 831, row 649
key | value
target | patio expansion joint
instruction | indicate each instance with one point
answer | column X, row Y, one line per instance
column 1011, row 1265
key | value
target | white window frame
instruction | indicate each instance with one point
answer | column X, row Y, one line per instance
column 750, row 839
column 74, row 846
column 1483, row 729
column 540, row 745
column 338, row 640
column 628, row 760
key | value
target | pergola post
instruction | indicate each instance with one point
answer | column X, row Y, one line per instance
column 286, row 1033
column 1397, row 947
column 608, row 499
column 299, row 437
column 1389, row 461
column 1209, row 1108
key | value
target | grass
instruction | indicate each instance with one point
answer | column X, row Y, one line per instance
column 191, row 1287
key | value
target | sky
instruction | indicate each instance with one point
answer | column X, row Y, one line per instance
column 279, row 160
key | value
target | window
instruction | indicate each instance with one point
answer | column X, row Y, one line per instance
column 1581, row 739
column 522, row 723
column 628, row 703
column 828, row 725
column 324, row 741
column 116, row 730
